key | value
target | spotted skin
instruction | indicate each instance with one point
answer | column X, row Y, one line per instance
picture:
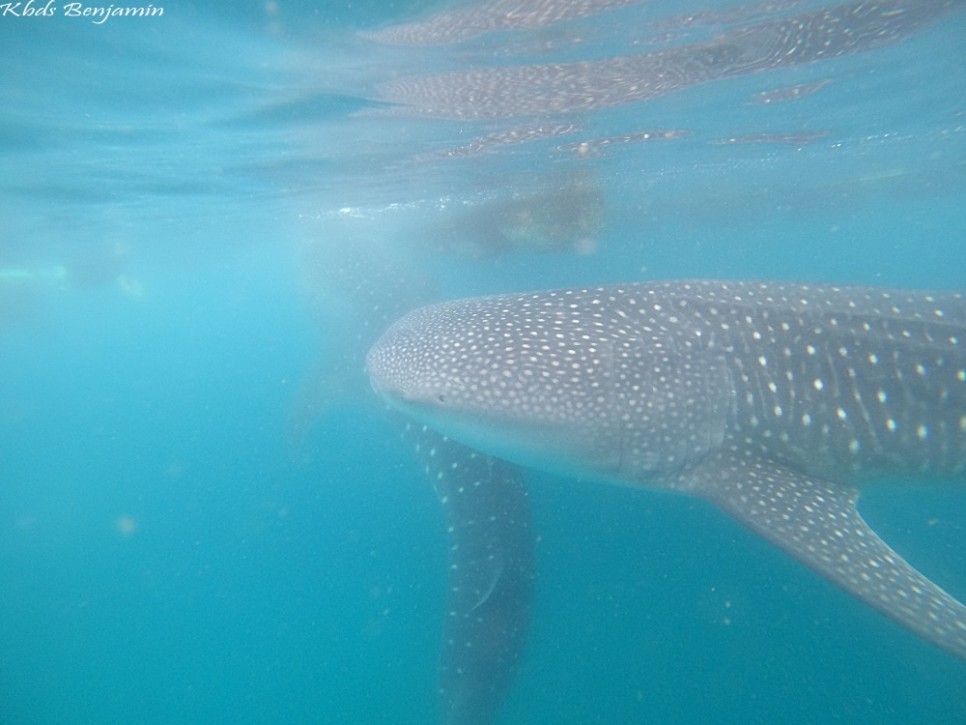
column 820, row 34
column 769, row 400
column 490, row 574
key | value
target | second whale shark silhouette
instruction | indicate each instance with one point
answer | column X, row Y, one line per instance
column 770, row 400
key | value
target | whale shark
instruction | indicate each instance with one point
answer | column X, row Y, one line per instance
column 772, row 401
column 353, row 291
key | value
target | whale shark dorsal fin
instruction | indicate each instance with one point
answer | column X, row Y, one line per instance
column 818, row 523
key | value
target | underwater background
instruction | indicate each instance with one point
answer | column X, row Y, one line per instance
column 208, row 214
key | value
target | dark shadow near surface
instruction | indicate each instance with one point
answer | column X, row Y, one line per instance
column 556, row 213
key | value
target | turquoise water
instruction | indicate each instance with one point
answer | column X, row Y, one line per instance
column 205, row 218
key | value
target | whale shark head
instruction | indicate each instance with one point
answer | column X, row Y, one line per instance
column 575, row 381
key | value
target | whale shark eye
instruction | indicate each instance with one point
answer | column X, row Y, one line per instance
column 440, row 398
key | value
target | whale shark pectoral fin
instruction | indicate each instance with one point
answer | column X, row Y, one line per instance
column 818, row 523
column 490, row 575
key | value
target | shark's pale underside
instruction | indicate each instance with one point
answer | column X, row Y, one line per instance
column 772, row 401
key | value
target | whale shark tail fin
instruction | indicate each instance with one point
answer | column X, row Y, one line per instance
column 490, row 575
